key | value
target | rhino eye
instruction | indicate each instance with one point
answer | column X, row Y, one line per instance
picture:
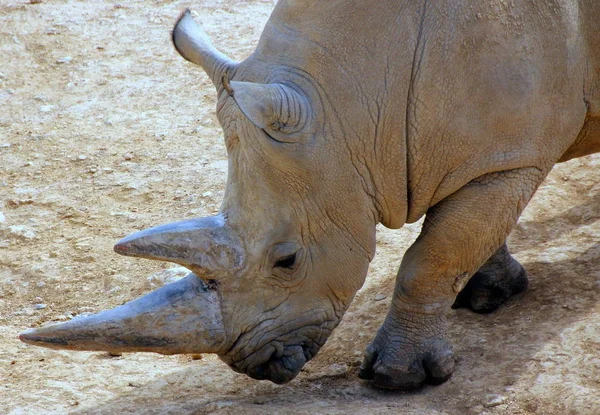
column 286, row 262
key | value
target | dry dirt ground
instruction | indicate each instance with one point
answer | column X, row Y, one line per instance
column 105, row 130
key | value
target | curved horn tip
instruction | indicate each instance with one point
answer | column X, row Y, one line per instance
column 186, row 14
column 193, row 44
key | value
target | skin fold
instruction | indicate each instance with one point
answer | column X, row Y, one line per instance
column 352, row 113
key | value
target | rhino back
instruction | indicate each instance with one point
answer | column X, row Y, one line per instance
column 426, row 96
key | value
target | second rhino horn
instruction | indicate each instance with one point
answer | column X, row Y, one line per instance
column 206, row 246
column 194, row 45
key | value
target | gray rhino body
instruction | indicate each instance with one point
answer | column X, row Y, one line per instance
column 350, row 113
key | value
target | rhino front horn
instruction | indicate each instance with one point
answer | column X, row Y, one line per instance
column 181, row 317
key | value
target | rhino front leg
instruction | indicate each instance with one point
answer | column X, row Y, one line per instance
column 496, row 281
column 458, row 235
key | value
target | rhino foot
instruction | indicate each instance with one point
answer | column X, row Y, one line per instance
column 497, row 280
column 405, row 360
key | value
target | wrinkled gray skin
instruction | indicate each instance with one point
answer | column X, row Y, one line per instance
column 350, row 113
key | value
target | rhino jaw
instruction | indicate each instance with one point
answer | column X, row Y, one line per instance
column 181, row 317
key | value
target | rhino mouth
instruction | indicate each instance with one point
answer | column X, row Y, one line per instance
column 281, row 359
column 281, row 367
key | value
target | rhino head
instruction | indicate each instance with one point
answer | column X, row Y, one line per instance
column 273, row 273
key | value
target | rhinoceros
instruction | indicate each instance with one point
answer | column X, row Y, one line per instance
column 351, row 113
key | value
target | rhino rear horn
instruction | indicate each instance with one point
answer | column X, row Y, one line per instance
column 275, row 107
column 193, row 44
column 204, row 245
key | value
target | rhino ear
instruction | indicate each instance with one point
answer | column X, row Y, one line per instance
column 194, row 45
column 272, row 107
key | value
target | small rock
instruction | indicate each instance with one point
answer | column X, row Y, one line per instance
column 207, row 194
column 66, row 59
column 24, row 312
column 2, row 218
column 81, row 157
column 38, row 299
column 128, row 156
column 196, row 356
column 167, row 276
column 35, row 1
column 260, row 400
column 2, row 76
column 5, row 145
column 46, row 108
column 22, row 231
column 115, row 354
column 39, row 306
column 336, row 370
column 494, row 400
column 380, row 297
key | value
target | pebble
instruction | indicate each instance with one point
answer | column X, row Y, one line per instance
column 494, row 400
column 207, row 194
column 38, row 299
column 66, row 59
column 81, row 157
column 380, row 297
column 5, row 145
column 167, row 276
column 115, row 354
column 336, row 370
column 128, row 156
column 24, row 312
column 260, row 400
column 39, row 306
column 2, row 218
column 46, row 108
column 22, row 231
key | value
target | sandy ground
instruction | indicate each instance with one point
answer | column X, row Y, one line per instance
column 105, row 130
